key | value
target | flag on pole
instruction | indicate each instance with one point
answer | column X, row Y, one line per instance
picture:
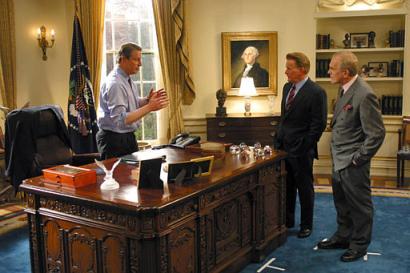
column 82, row 120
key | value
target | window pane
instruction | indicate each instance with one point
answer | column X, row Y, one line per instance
column 148, row 72
column 122, row 9
column 138, row 133
column 108, row 8
column 138, row 10
column 150, row 126
column 133, row 21
column 110, row 62
column 147, row 88
column 147, row 35
column 139, row 88
column 125, row 32
column 136, row 77
column 108, row 36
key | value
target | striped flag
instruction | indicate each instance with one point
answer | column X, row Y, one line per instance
column 82, row 121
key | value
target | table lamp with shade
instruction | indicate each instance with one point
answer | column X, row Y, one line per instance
column 247, row 89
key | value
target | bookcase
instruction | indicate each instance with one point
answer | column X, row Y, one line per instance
column 333, row 25
column 384, row 62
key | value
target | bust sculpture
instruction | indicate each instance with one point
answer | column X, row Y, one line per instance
column 221, row 97
column 346, row 41
column 372, row 35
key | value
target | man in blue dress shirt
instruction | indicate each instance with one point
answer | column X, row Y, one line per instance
column 121, row 109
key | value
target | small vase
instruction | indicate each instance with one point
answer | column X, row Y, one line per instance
column 271, row 104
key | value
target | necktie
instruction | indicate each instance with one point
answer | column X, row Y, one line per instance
column 291, row 97
column 341, row 92
column 130, row 82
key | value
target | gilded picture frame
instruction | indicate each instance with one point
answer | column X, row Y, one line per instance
column 264, row 70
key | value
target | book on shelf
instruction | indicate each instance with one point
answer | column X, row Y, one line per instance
column 70, row 176
column 391, row 105
column 322, row 41
column 396, row 38
column 322, row 67
column 396, row 68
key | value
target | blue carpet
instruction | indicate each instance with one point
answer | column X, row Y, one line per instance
column 14, row 252
column 391, row 237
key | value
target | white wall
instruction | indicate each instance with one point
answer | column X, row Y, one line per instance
column 292, row 19
column 38, row 81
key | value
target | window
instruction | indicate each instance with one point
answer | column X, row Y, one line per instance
column 133, row 21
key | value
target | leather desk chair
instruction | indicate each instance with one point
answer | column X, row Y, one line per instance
column 403, row 152
column 37, row 138
column 5, row 188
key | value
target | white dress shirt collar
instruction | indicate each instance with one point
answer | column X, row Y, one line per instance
column 347, row 85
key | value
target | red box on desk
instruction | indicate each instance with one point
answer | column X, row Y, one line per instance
column 70, row 176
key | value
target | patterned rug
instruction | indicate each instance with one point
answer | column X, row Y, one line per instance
column 376, row 181
column 12, row 216
column 375, row 191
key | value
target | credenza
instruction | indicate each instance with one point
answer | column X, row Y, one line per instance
column 216, row 223
column 237, row 128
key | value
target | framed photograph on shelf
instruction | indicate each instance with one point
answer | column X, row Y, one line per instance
column 257, row 49
column 359, row 40
column 378, row 69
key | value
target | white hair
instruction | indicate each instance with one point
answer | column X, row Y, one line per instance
column 253, row 49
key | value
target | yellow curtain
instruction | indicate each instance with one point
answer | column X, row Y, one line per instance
column 173, row 53
column 7, row 54
column 91, row 14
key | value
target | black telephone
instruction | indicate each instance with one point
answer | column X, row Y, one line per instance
column 184, row 139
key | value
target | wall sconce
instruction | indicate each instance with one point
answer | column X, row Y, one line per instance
column 42, row 40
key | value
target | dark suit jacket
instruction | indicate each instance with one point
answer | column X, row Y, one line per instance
column 22, row 129
column 260, row 76
column 302, row 125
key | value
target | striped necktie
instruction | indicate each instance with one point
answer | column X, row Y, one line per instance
column 291, row 97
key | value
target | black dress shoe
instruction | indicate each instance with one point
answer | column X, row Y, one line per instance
column 332, row 245
column 352, row 255
column 304, row 232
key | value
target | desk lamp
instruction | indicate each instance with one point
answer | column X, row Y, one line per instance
column 247, row 89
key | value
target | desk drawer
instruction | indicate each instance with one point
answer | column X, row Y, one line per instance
column 265, row 137
column 242, row 122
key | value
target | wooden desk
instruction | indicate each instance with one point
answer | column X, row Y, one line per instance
column 219, row 223
column 237, row 128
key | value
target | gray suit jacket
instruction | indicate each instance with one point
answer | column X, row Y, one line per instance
column 357, row 126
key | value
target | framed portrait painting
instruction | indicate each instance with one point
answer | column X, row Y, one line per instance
column 250, row 54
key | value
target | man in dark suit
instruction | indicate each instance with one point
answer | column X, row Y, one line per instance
column 357, row 134
column 303, row 120
column 252, row 69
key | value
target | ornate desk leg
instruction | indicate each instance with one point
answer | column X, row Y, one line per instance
column 35, row 235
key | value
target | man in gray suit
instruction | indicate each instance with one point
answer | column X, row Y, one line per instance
column 357, row 134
